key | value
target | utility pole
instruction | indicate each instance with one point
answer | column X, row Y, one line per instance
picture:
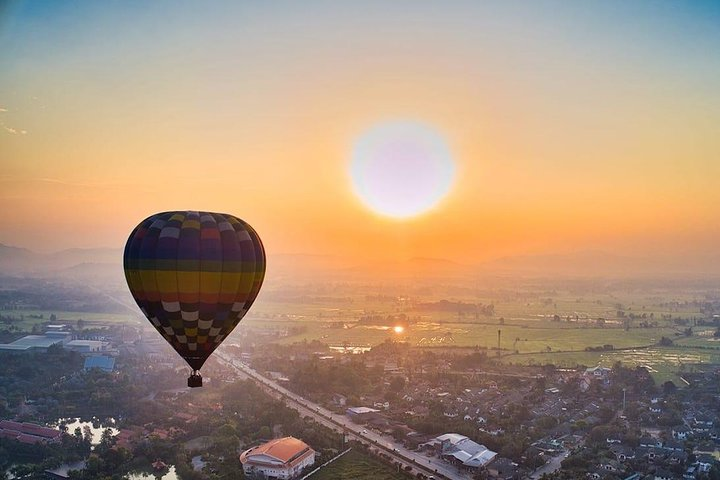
column 499, row 340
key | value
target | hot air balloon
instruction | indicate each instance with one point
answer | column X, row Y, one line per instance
column 194, row 275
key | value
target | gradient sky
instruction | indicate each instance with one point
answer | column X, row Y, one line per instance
column 574, row 125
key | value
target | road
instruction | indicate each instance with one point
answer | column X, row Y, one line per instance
column 419, row 462
column 552, row 465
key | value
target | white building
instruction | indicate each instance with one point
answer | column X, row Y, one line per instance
column 86, row 346
column 460, row 449
column 282, row 458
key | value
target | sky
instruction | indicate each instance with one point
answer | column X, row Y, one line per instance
column 572, row 126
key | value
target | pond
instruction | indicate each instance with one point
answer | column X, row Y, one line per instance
column 96, row 427
column 170, row 475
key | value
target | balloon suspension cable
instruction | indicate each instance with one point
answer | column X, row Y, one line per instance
column 195, row 379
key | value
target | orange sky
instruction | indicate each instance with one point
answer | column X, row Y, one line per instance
column 569, row 131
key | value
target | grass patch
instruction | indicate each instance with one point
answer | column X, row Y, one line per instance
column 356, row 465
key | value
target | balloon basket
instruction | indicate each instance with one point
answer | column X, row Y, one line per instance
column 195, row 380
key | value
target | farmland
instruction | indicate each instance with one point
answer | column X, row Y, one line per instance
column 561, row 323
column 357, row 466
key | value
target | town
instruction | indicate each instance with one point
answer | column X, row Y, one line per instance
column 420, row 412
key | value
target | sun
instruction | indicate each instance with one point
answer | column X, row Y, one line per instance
column 399, row 329
column 401, row 169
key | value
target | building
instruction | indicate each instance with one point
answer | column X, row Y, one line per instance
column 106, row 364
column 86, row 346
column 502, row 469
column 362, row 414
column 28, row 432
column 37, row 342
column 598, row 372
column 460, row 449
column 282, row 458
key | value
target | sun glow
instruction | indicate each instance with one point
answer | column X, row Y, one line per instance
column 399, row 329
column 401, row 169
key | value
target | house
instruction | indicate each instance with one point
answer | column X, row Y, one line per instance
column 622, row 452
column 650, row 453
column 702, row 423
column 681, row 432
column 598, row 372
column 339, row 400
column 650, row 442
column 678, row 457
column 502, row 468
column 662, row 474
column 610, row 466
column 673, row 445
column 705, row 462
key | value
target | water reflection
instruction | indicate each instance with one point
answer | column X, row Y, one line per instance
column 95, row 427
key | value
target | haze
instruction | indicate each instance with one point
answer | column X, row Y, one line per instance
column 592, row 128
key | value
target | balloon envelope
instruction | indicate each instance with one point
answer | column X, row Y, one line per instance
column 194, row 275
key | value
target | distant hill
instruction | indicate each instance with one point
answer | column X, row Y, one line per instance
column 13, row 259
column 21, row 261
column 106, row 263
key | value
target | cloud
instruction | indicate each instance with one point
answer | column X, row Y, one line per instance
column 13, row 131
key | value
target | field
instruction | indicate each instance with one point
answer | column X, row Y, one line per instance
column 537, row 325
column 523, row 338
column 529, row 333
column 355, row 465
column 24, row 320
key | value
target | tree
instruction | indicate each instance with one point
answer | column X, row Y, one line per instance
column 264, row 432
column 397, row 384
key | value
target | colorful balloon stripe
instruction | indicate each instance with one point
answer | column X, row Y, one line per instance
column 194, row 275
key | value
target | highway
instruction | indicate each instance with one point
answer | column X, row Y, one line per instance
column 419, row 462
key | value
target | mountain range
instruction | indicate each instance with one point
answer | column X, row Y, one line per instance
column 107, row 262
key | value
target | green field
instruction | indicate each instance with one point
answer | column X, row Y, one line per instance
column 522, row 338
column 356, row 465
column 529, row 336
column 664, row 363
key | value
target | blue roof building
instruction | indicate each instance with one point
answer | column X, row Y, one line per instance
column 106, row 364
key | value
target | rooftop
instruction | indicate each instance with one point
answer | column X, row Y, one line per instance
column 101, row 361
column 361, row 410
column 34, row 341
column 284, row 450
column 470, row 453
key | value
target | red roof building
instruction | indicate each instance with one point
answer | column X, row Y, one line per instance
column 282, row 458
column 28, row 432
